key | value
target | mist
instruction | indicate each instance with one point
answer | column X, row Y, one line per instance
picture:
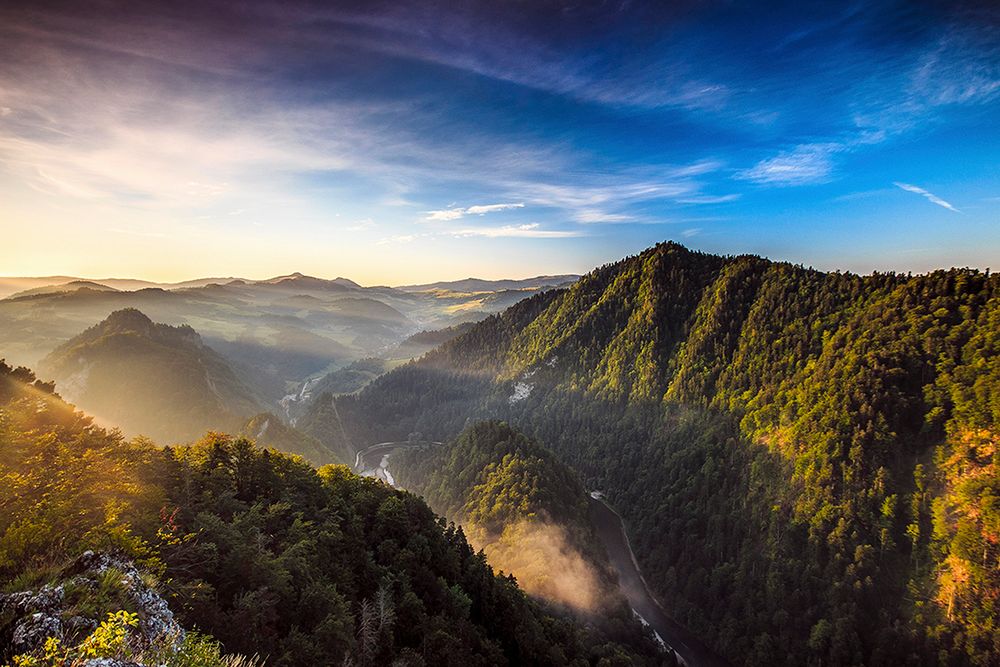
column 541, row 557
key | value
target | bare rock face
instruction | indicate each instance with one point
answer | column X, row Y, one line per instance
column 41, row 614
column 38, row 614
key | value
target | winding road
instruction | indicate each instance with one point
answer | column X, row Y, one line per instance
column 611, row 530
column 365, row 460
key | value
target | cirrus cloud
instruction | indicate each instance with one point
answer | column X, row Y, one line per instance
column 929, row 196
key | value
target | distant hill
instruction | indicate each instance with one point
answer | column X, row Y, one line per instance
column 71, row 286
column 150, row 379
column 349, row 379
column 297, row 279
column 12, row 285
column 480, row 285
column 425, row 341
column 276, row 333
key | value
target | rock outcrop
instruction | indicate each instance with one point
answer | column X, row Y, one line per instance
column 33, row 616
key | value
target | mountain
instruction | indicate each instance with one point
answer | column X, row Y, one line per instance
column 807, row 461
column 480, row 285
column 425, row 341
column 149, row 378
column 297, row 279
column 262, row 552
column 354, row 376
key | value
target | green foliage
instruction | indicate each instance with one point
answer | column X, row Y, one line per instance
column 108, row 640
column 492, row 475
column 529, row 513
column 199, row 650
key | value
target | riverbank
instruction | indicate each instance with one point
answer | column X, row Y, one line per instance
column 611, row 530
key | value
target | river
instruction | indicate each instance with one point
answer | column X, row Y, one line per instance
column 611, row 530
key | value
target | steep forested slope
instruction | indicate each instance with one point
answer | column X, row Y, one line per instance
column 267, row 430
column 807, row 460
column 269, row 555
column 150, row 378
column 528, row 511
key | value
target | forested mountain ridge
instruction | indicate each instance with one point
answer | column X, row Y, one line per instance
column 151, row 379
column 807, row 460
column 262, row 551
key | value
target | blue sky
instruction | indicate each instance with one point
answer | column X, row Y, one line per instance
column 400, row 142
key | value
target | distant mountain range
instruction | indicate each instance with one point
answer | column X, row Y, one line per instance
column 19, row 286
column 480, row 285
column 12, row 285
column 275, row 333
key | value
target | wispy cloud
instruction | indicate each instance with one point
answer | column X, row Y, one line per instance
column 866, row 104
column 604, row 198
column 709, row 199
column 491, row 208
column 101, row 132
column 497, row 50
column 399, row 239
column 361, row 225
column 591, row 217
column 532, row 231
column 479, row 209
column 929, row 196
column 803, row 165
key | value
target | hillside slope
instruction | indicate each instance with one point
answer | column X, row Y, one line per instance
column 150, row 379
column 807, row 460
column 268, row 430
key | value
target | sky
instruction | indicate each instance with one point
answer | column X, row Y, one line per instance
column 400, row 142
